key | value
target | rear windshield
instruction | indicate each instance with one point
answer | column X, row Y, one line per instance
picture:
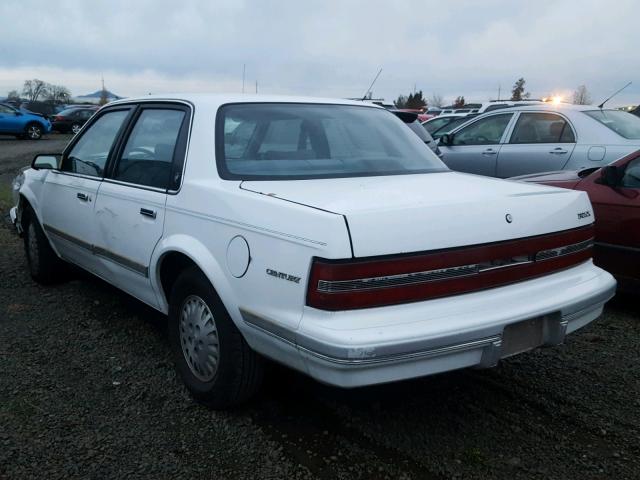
column 623, row 123
column 270, row 141
column 66, row 112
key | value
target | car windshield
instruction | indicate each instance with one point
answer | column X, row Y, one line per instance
column 267, row 141
column 623, row 123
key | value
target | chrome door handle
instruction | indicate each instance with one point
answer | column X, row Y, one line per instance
column 82, row 196
column 148, row 213
column 559, row 151
column 489, row 151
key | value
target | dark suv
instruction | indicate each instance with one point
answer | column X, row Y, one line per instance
column 72, row 119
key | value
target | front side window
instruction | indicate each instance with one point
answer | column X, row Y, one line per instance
column 89, row 155
column 624, row 124
column 631, row 178
column 7, row 110
column 434, row 125
column 486, row 131
column 304, row 141
column 542, row 128
column 147, row 157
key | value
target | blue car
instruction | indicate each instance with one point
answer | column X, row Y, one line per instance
column 22, row 124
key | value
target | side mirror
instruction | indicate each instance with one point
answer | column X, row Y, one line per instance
column 446, row 139
column 18, row 113
column 46, row 162
column 610, row 175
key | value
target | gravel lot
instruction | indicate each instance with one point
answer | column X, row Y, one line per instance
column 87, row 390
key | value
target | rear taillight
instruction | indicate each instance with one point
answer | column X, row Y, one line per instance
column 375, row 282
column 58, row 118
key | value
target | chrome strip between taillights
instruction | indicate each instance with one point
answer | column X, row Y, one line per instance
column 338, row 286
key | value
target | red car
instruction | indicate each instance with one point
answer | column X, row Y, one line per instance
column 614, row 191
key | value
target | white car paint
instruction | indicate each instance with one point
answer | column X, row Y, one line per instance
column 280, row 226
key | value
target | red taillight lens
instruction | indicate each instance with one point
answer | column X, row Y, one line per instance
column 374, row 282
column 58, row 118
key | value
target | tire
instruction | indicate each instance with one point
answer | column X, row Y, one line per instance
column 33, row 131
column 75, row 128
column 44, row 264
column 238, row 372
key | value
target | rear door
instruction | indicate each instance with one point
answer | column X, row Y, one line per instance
column 130, row 207
column 540, row 142
column 475, row 147
column 69, row 193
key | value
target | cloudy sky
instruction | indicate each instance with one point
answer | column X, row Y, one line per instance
column 326, row 48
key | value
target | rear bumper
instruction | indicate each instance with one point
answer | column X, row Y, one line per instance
column 369, row 346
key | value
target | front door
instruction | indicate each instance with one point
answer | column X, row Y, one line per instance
column 617, row 212
column 475, row 147
column 540, row 142
column 70, row 192
column 130, row 207
column 9, row 120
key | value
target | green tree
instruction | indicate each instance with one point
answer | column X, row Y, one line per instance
column 414, row 101
column 401, row 102
column 518, row 93
column 13, row 95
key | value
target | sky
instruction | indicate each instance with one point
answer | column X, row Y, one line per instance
column 331, row 48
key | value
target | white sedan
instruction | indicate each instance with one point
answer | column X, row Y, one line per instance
column 319, row 233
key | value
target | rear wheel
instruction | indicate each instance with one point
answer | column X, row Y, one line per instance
column 44, row 265
column 75, row 128
column 33, row 131
column 213, row 359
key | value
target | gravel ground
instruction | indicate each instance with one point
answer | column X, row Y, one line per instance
column 87, row 390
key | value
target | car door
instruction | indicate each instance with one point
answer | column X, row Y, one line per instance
column 475, row 147
column 617, row 214
column 130, row 207
column 540, row 142
column 10, row 120
column 69, row 192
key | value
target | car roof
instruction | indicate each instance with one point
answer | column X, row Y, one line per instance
column 554, row 107
column 217, row 99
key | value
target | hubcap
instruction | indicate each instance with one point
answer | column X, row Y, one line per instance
column 34, row 132
column 199, row 338
column 32, row 244
column 75, row 128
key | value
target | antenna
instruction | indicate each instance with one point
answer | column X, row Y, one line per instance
column 617, row 92
column 371, row 86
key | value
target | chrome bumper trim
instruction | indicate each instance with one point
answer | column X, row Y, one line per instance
column 556, row 323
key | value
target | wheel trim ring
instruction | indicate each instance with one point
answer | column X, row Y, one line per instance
column 198, row 337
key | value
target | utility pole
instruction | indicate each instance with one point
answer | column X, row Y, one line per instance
column 256, row 87
column 244, row 67
column 499, row 87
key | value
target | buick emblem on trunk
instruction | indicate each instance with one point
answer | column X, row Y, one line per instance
column 508, row 218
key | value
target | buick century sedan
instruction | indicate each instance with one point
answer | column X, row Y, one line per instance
column 322, row 234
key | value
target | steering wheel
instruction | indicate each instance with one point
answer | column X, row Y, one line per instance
column 146, row 154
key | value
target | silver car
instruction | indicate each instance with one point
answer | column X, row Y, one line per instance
column 543, row 138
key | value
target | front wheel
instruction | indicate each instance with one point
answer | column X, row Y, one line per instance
column 44, row 265
column 33, row 131
column 213, row 359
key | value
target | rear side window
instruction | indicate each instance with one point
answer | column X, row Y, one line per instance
column 147, row 157
column 486, row 131
column 631, row 178
column 542, row 128
column 89, row 155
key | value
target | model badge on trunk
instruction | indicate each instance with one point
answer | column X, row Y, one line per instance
column 283, row 276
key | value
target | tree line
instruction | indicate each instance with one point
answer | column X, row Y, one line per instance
column 417, row 101
column 38, row 90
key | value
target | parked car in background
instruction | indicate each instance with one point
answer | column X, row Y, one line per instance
column 22, row 124
column 445, row 123
column 72, row 119
column 614, row 191
column 320, row 233
column 540, row 138
column 411, row 119
column 46, row 109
